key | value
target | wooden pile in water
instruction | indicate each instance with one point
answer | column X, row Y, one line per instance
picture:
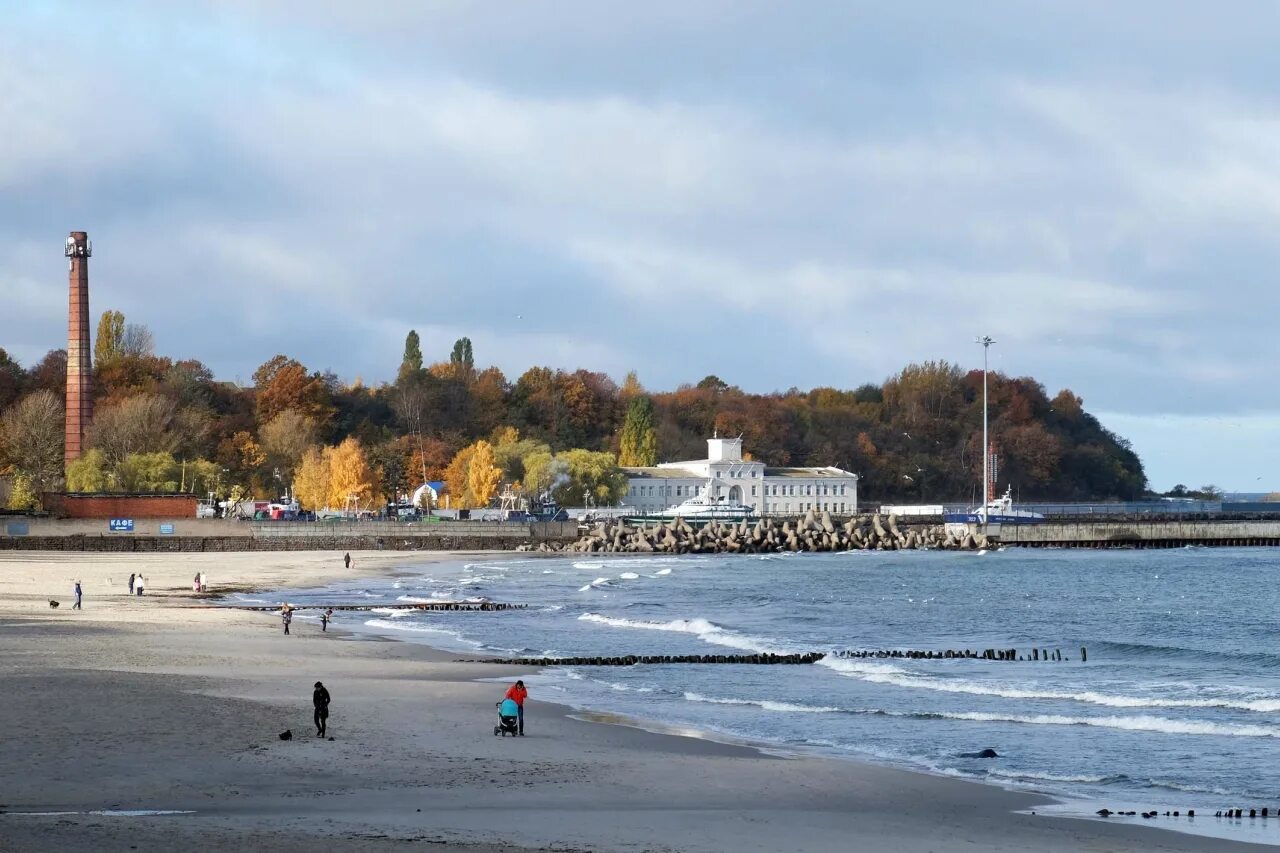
column 810, row 532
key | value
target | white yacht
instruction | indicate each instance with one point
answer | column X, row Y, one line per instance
column 707, row 507
column 999, row 511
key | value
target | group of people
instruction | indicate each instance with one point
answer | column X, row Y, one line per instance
column 136, row 583
column 199, row 583
column 320, row 700
column 286, row 617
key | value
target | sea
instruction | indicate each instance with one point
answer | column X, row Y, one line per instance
column 1176, row 707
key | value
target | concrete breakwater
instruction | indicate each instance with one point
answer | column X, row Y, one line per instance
column 810, row 532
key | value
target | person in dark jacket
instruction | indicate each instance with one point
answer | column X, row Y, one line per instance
column 132, row 576
column 320, row 698
column 76, row 606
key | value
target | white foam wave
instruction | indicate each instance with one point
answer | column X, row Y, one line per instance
column 661, row 572
column 1135, row 724
column 883, row 674
column 628, row 576
column 389, row 612
column 588, row 565
column 1031, row 775
column 419, row 628
column 766, row 704
column 708, row 632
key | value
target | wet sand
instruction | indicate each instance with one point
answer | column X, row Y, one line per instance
column 163, row 703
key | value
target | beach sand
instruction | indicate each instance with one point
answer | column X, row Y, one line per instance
column 165, row 703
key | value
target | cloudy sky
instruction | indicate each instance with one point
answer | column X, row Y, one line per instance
column 780, row 194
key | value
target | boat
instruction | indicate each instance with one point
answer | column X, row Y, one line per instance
column 706, row 507
column 996, row 512
column 999, row 511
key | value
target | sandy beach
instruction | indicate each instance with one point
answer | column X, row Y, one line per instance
column 164, row 703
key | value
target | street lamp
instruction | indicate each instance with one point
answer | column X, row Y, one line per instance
column 986, row 342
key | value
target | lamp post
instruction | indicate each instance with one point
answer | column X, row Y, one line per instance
column 986, row 342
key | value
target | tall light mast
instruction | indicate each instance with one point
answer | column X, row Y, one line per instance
column 986, row 342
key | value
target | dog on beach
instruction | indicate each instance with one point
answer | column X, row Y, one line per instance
column 53, row 605
column 287, row 734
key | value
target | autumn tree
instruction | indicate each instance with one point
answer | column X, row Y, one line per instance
column 457, row 477
column 483, row 475
column 49, row 373
column 591, row 475
column 411, row 402
column 136, row 341
column 283, row 383
column 351, row 477
column 311, row 482
column 639, row 437
column 110, row 336
column 284, row 439
column 88, row 473
column 138, row 424
column 31, row 440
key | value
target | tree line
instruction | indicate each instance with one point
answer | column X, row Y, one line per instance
column 165, row 425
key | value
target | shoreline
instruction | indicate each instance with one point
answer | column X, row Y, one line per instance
column 413, row 714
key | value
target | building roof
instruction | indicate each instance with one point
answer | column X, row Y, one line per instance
column 662, row 473
column 808, row 472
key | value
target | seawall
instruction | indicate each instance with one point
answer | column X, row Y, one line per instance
column 194, row 535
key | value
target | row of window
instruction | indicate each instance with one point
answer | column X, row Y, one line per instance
column 787, row 490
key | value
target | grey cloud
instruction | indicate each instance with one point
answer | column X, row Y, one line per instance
column 782, row 197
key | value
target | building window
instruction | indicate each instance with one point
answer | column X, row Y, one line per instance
column 753, row 491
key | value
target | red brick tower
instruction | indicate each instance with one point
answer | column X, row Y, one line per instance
column 79, row 355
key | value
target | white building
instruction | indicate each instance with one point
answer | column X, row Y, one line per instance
column 769, row 491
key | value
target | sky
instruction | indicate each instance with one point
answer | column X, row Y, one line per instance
column 784, row 195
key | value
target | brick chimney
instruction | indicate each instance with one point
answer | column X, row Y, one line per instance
column 79, row 354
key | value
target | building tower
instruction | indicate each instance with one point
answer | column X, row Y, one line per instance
column 79, row 355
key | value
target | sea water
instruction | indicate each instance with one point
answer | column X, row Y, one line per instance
column 1177, row 707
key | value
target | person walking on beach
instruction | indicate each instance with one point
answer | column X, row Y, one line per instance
column 132, row 577
column 346, row 561
column 76, row 606
column 137, row 586
column 324, row 620
column 516, row 693
column 320, row 698
column 195, row 583
column 286, row 616
column 204, row 582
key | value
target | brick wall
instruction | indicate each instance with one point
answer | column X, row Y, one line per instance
column 119, row 506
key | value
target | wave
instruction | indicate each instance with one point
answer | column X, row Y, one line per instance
column 660, row 572
column 419, row 628
column 882, row 674
column 596, row 584
column 1127, row 649
column 708, row 632
column 589, row 565
column 1033, row 776
column 768, row 705
column 628, row 576
column 1160, row 725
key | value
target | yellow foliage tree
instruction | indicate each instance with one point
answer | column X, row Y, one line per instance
column 482, row 474
column 351, row 475
column 457, row 477
column 311, row 482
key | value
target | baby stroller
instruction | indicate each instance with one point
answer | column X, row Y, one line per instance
column 508, row 718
